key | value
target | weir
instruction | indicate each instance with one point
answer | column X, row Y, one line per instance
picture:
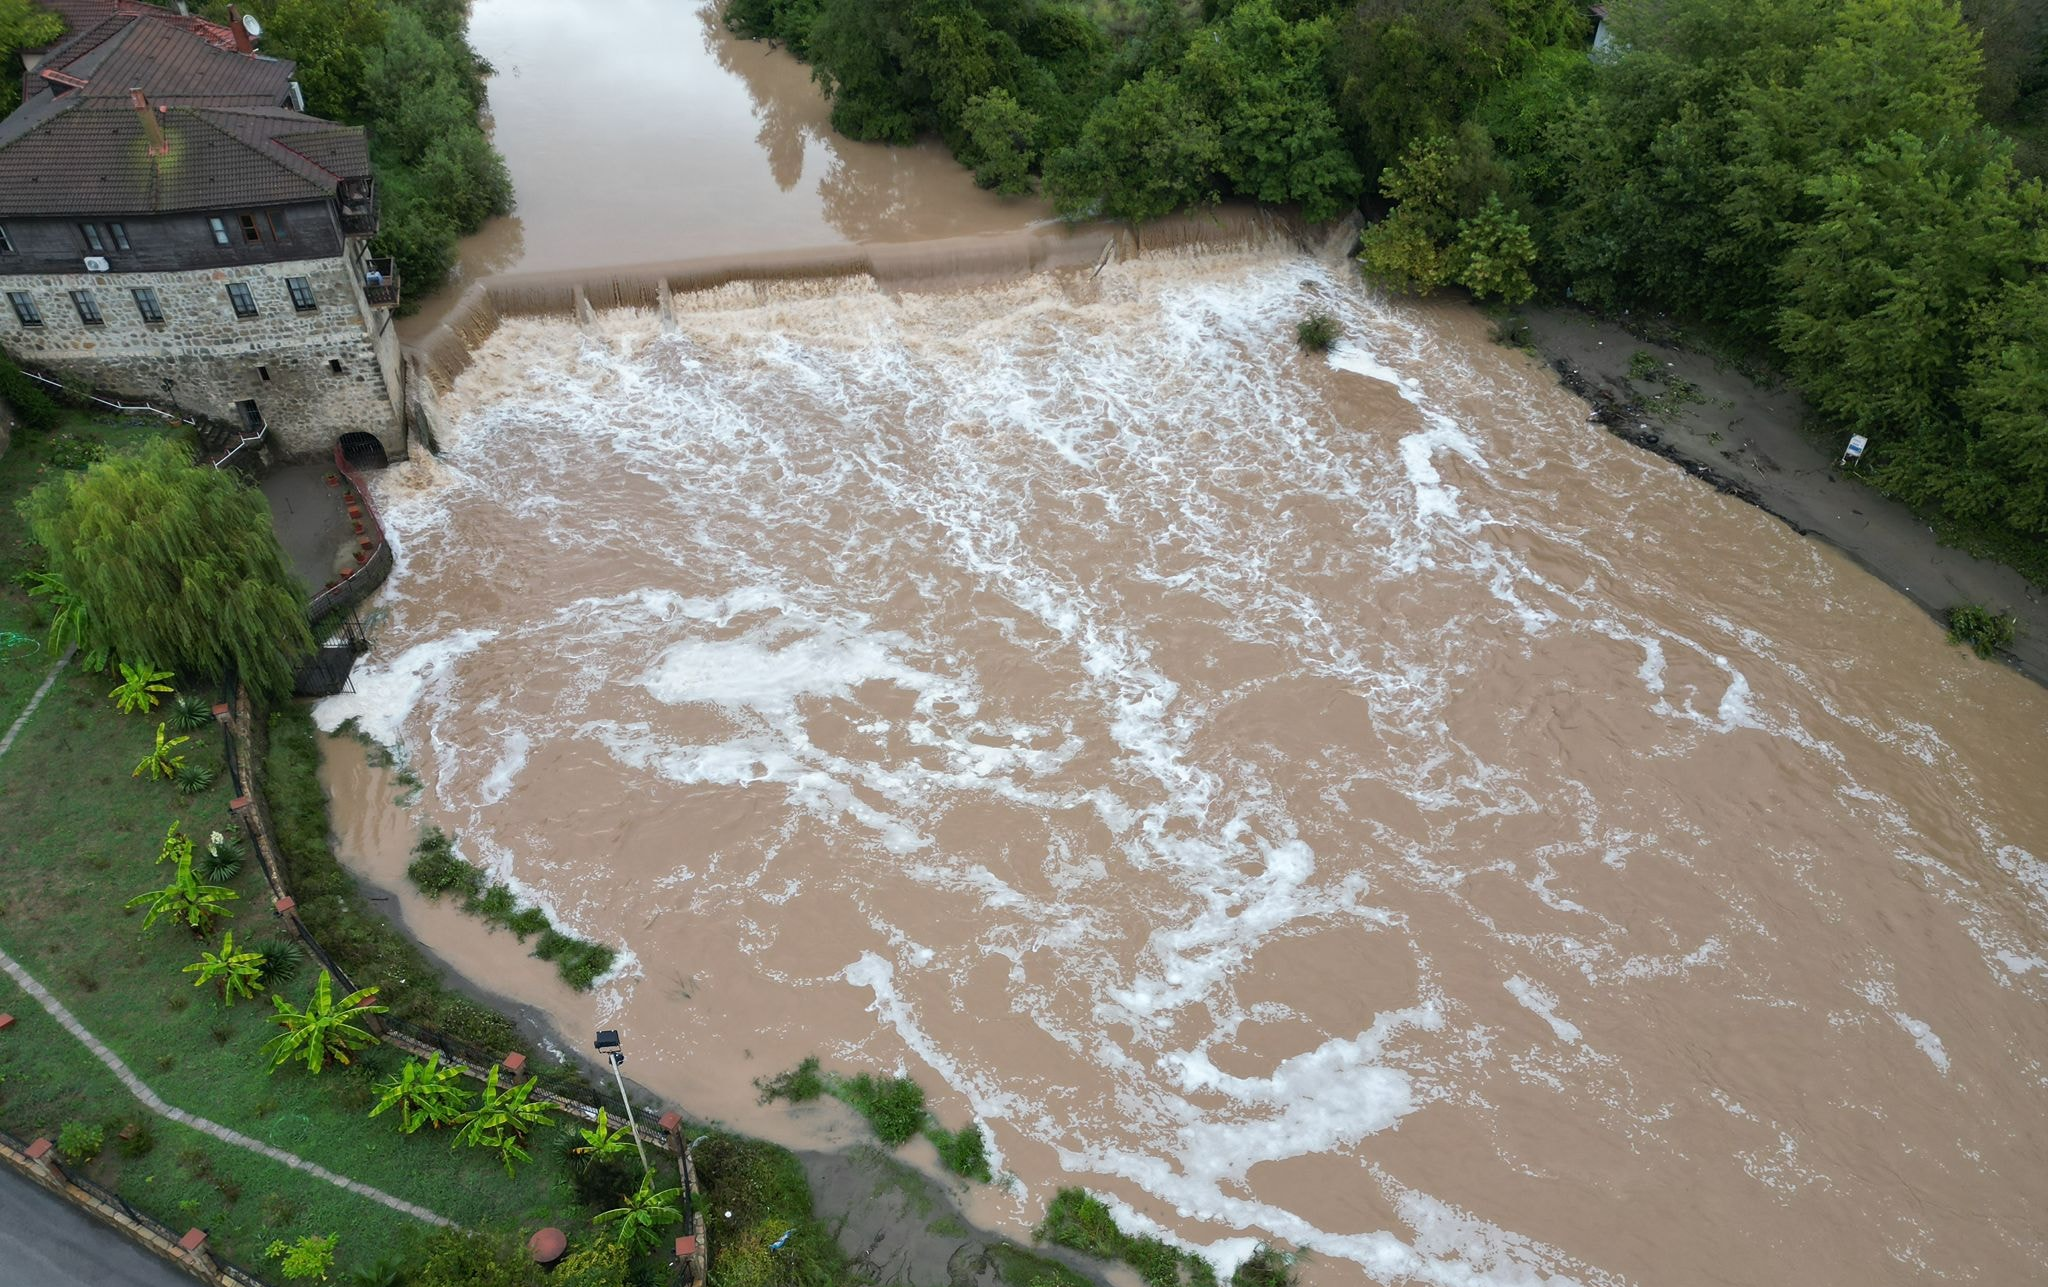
column 954, row 263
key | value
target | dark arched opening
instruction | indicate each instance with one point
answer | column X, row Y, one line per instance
column 363, row 451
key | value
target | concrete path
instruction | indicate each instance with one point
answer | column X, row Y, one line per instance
column 310, row 520
column 149, row 1097
column 47, row 1242
column 21, row 720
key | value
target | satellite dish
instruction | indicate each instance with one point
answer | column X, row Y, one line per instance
column 250, row 25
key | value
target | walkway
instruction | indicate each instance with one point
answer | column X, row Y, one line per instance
column 149, row 1097
column 310, row 520
column 46, row 1241
column 21, row 720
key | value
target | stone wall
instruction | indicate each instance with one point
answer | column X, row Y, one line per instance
column 282, row 359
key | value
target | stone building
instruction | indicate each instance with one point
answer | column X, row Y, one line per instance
column 173, row 228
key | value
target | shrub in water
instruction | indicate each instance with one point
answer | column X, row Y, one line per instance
column 527, row 921
column 894, row 1106
column 964, row 1151
column 1267, row 1266
column 80, row 1142
column 588, row 963
column 1318, row 331
column 1984, row 630
column 497, row 905
column 435, row 870
column 800, row 1085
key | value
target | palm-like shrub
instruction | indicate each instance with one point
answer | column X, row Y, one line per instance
column 282, row 961
column 647, row 1211
column 188, row 714
column 192, row 779
column 186, row 899
column 222, row 860
column 239, row 974
column 161, row 762
column 140, row 688
column 503, row 1119
column 326, row 1029
column 602, row 1140
column 425, row 1094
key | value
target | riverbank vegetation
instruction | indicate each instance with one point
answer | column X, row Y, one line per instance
column 1828, row 186
column 893, row 1106
column 404, row 69
column 437, row 870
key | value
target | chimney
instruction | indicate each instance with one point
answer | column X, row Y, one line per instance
column 158, row 145
column 239, row 32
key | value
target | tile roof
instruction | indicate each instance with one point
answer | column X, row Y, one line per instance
column 230, row 142
column 92, row 157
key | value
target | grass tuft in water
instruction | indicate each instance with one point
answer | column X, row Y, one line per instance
column 1985, row 631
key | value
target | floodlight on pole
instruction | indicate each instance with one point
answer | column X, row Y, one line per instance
column 608, row 1046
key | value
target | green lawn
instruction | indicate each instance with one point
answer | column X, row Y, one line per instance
column 82, row 836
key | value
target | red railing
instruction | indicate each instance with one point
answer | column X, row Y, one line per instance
column 362, row 580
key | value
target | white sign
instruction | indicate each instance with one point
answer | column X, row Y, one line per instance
column 1857, row 442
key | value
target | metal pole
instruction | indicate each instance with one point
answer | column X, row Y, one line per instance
column 625, row 1099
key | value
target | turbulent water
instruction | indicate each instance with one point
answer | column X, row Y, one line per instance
column 1353, row 802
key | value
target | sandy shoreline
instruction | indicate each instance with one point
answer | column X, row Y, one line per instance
column 1745, row 440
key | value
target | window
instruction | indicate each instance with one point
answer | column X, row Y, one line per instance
column 277, row 225
column 92, row 238
column 88, row 307
column 25, row 307
column 120, row 236
column 244, row 302
column 145, row 304
column 334, row 365
column 6, row 246
column 220, row 232
column 263, row 374
column 250, row 232
column 302, row 294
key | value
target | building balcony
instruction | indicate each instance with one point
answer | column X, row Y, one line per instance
column 357, row 200
column 380, row 282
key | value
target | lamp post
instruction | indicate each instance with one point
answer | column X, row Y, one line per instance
column 608, row 1046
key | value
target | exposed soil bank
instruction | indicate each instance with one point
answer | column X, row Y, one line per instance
column 1746, row 440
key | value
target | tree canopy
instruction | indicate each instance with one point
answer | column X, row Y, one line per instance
column 175, row 565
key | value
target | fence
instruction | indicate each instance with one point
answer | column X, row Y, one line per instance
column 38, row 1162
column 237, row 717
column 209, row 430
column 359, row 582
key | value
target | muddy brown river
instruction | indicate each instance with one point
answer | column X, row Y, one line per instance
column 1353, row 802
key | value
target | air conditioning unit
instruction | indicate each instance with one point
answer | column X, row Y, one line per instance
column 95, row 264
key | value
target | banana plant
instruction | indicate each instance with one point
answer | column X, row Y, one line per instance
column 647, row 1211
column 186, row 899
column 502, row 1119
column 176, row 847
column 139, row 688
column 240, row 974
column 326, row 1029
column 425, row 1094
column 161, row 763
column 71, row 622
column 603, row 1140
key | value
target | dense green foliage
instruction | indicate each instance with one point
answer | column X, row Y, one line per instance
column 403, row 68
column 23, row 25
column 758, row 1191
column 175, row 564
column 1985, row 631
column 1079, row 1220
column 335, row 910
column 1812, row 182
column 893, row 1106
column 33, row 406
column 436, row 869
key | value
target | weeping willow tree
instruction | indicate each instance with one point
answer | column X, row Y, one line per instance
column 175, row 565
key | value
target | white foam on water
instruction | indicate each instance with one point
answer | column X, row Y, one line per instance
column 1543, row 1005
column 498, row 783
column 1923, row 1037
column 817, row 458
column 386, row 693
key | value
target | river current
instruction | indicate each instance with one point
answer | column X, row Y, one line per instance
column 1350, row 801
